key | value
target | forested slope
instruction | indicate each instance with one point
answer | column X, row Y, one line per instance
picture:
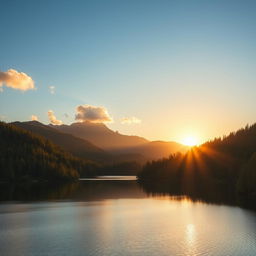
column 223, row 163
column 24, row 155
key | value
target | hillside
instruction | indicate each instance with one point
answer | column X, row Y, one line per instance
column 100, row 135
column 227, row 162
column 26, row 156
column 141, row 152
column 77, row 146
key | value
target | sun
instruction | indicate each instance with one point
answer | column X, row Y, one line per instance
column 190, row 141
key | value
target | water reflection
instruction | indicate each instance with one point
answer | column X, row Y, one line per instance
column 97, row 218
column 86, row 190
column 216, row 194
column 190, row 234
column 112, row 188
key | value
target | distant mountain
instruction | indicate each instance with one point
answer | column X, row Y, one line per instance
column 155, row 149
column 80, row 140
column 127, row 147
column 100, row 135
column 77, row 146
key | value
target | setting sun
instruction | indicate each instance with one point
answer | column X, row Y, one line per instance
column 190, row 141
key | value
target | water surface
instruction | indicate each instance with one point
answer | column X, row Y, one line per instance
column 99, row 178
column 115, row 217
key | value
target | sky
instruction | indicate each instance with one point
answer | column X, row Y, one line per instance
column 171, row 68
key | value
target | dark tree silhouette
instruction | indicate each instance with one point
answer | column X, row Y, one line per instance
column 26, row 156
column 227, row 163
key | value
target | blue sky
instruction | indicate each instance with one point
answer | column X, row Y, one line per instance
column 182, row 67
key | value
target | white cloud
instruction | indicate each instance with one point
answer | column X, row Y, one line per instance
column 53, row 119
column 93, row 114
column 34, row 118
column 130, row 120
column 16, row 80
column 52, row 89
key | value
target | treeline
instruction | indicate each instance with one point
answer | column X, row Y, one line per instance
column 26, row 156
column 223, row 164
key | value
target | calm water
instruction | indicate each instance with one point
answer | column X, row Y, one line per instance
column 103, row 178
column 115, row 217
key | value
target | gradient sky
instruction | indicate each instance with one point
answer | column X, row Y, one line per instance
column 182, row 67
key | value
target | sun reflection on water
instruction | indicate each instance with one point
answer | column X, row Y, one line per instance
column 190, row 235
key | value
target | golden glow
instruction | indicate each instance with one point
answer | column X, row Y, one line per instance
column 190, row 141
column 190, row 233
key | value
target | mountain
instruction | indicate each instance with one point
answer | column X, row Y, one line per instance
column 125, row 147
column 155, row 149
column 100, row 135
column 77, row 146
column 80, row 140
column 26, row 156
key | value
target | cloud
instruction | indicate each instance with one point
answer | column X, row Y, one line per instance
column 2, row 117
column 66, row 115
column 53, row 119
column 16, row 80
column 130, row 120
column 93, row 114
column 52, row 89
column 34, row 118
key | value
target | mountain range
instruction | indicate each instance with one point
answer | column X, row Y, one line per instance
column 99, row 143
column 100, row 135
column 76, row 146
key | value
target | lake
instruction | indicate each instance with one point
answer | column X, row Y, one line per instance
column 111, row 216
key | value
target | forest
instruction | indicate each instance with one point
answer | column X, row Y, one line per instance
column 25, row 156
column 225, row 164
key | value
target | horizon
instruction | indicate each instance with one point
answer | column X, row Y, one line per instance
column 185, row 143
column 168, row 70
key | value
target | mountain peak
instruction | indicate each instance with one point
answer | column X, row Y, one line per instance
column 100, row 135
column 89, row 124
